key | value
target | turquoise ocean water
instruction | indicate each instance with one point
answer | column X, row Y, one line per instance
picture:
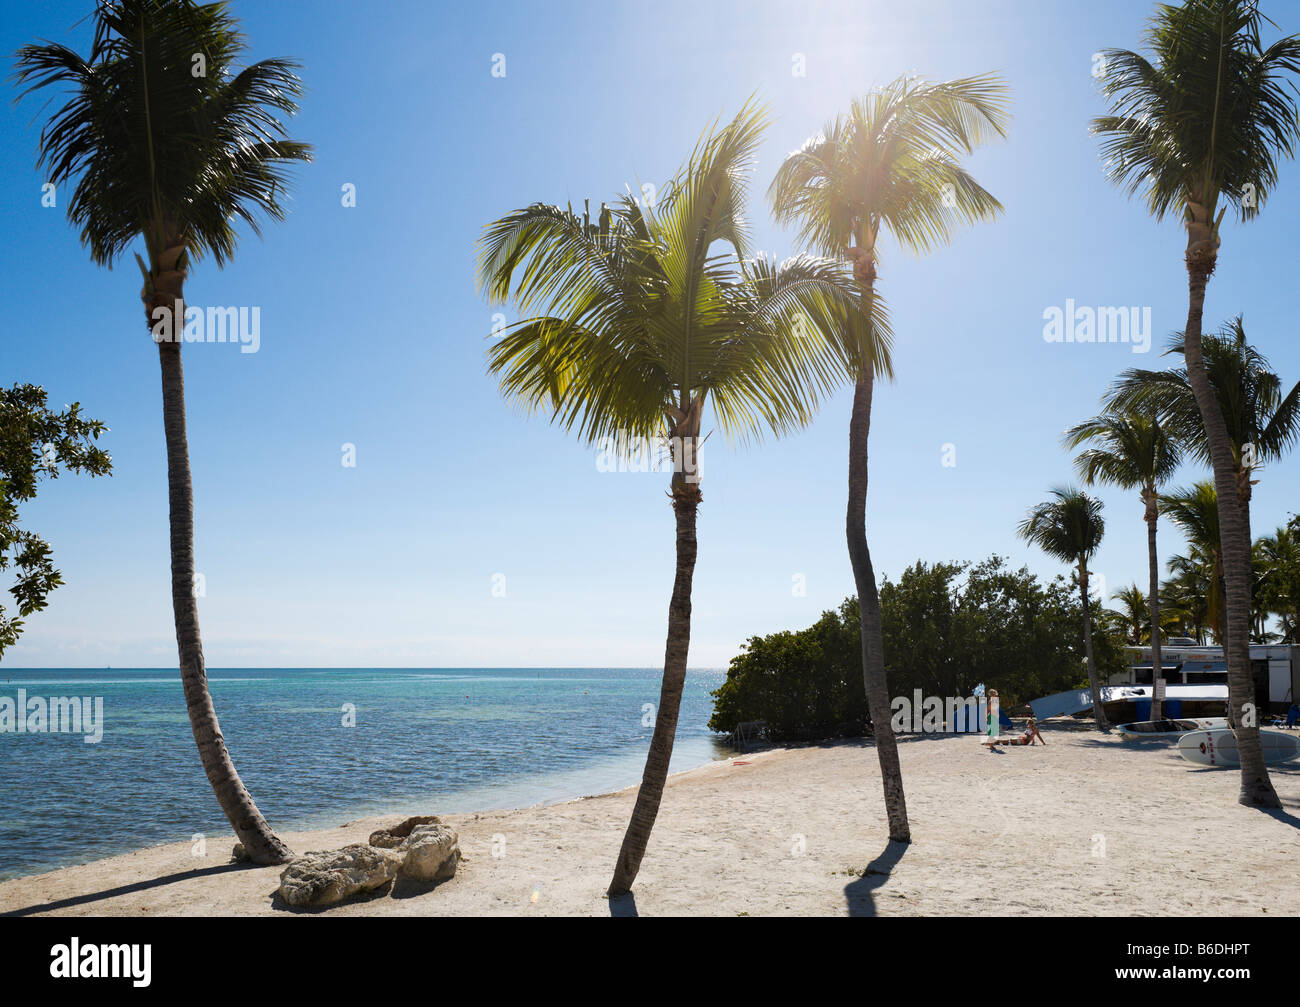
column 424, row 742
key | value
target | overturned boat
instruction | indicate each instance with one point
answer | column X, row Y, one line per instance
column 1170, row 728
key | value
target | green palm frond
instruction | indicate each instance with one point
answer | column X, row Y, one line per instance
column 1130, row 450
column 893, row 161
column 1208, row 116
column 635, row 320
column 1250, row 395
column 1068, row 527
column 152, row 144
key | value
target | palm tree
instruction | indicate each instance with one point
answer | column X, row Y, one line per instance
column 1197, row 514
column 1134, row 452
column 636, row 321
column 1186, row 595
column 1132, row 619
column 1279, row 567
column 891, row 163
column 160, row 152
column 1207, row 122
column 1069, row 527
column 1262, row 419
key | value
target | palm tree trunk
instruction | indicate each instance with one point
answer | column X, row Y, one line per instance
column 1256, row 787
column 260, row 843
column 873, row 650
column 686, row 502
column 1098, row 710
column 1153, row 565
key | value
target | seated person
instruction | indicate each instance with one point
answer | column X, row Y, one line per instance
column 1031, row 736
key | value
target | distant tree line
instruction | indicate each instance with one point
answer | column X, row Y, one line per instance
column 947, row 628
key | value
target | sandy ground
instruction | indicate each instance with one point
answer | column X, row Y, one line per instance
column 1089, row 825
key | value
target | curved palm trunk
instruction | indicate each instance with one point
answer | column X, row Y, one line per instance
column 686, row 502
column 873, row 651
column 260, row 843
column 1256, row 787
column 1098, row 710
column 1153, row 564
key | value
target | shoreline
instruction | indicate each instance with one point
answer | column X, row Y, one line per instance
column 501, row 797
column 1088, row 825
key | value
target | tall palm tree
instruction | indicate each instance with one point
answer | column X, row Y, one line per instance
column 1262, row 417
column 891, row 163
column 638, row 320
column 1197, row 514
column 1199, row 129
column 157, row 151
column 1069, row 527
column 1134, row 452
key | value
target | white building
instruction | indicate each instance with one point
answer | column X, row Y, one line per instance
column 1275, row 667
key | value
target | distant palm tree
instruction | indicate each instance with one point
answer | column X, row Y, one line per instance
column 160, row 151
column 1196, row 512
column 1262, row 417
column 1069, row 527
column 892, row 163
column 1135, row 452
column 1279, row 567
column 1186, row 594
column 1132, row 619
column 638, row 319
column 1206, row 122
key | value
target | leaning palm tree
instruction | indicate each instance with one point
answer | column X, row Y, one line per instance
column 892, row 163
column 1261, row 415
column 1196, row 512
column 1134, row 452
column 1069, row 527
column 161, row 152
column 639, row 320
column 1205, row 124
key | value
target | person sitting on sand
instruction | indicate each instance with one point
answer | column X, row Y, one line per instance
column 1031, row 736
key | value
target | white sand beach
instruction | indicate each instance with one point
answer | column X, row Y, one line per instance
column 1089, row 825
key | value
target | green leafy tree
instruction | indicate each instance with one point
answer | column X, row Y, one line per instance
column 638, row 320
column 36, row 443
column 891, row 164
column 947, row 627
column 1197, row 129
column 166, row 139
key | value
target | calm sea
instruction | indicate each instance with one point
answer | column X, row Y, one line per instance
column 424, row 741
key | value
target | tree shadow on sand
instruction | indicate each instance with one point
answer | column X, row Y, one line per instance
column 857, row 894
column 139, row 886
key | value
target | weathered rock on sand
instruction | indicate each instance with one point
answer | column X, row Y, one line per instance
column 422, row 848
column 388, row 839
column 325, row 878
column 432, row 853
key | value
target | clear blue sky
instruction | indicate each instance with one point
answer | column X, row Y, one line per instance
column 372, row 334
